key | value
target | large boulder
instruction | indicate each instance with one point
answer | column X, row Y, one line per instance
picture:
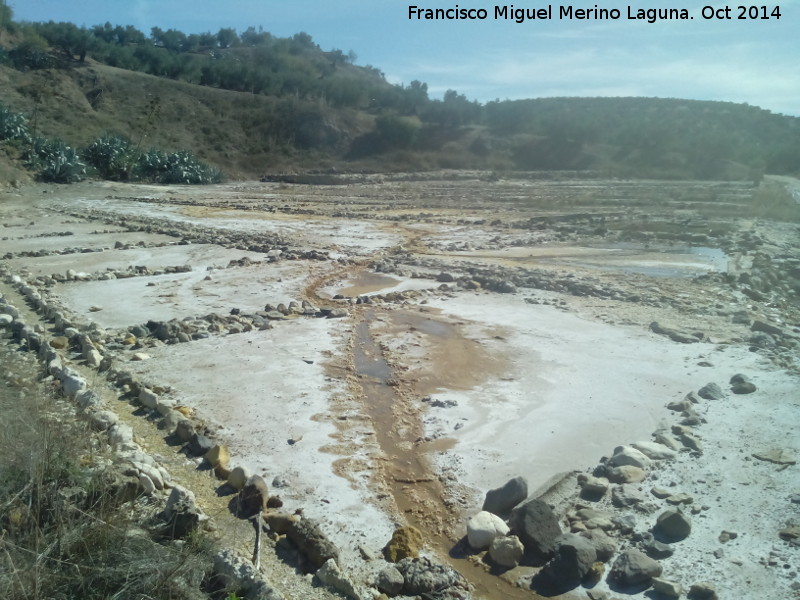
column 483, row 528
column 537, row 527
column 501, row 500
column 634, row 568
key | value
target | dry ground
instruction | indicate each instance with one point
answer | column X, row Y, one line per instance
column 507, row 333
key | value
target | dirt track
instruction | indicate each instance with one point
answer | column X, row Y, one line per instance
column 492, row 329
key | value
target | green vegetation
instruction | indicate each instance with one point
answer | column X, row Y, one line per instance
column 249, row 102
column 111, row 157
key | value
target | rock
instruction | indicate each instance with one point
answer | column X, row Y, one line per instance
column 254, row 495
column 605, row 547
column 483, row 528
column 667, row 588
column 691, row 442
column 338, row 313
column 678, row 499
column 739, row 378
column 673, row 334
column 711, row 391
column 655, row 451
column 624, row 496
column 596, row 519
column 666, row 439
column 406, row 542
column 72, row 384
column 673, row 526
column 768, row 328
column 625, row 474
column 200, row 444
column 537, row 527
column 311, row 541
column 181, row 513
column 238, row 477
column 331, row 575
column 139, row 356
column 120, row 434
column 574, row 557
column 627, row 455
column 778, row 456
column 743, row 387
column 93, row 357
column 6, row 320
column 422, row 576
column 236, row 573
column 148, row 398
column 727, row 536
column 390, row 581
column 592, row 488
column 655, row 549
column 103, row 419
column 703, row 591
column 501, row 500
column 59, row 342
column 506, row 551
column 660, row 493
column 218, row 457
column 184, row 430
column 634, row 568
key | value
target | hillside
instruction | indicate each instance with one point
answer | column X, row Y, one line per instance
column 252, row 104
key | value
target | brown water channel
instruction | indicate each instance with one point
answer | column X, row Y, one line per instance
column 417, row 492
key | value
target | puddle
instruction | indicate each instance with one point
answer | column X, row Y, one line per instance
column 367, row 283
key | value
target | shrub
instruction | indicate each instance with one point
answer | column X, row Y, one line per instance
column 176, row 167
column 54, row 161
column 31, row 54
column 112, row 156
column 13, row 126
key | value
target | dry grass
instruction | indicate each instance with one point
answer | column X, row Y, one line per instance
column 65, row 532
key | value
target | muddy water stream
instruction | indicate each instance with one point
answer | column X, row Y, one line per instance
column 417, row 492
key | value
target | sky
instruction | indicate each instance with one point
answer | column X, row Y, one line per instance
column 756, row 61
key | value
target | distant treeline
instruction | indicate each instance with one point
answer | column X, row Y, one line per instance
column 645, row 136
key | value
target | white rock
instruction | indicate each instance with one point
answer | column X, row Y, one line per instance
column 148, row 398
column 120, row 434
column 147, row 484
column 506, row 551
column 5, row 320
column 655, row 451
column 627, row 455
column 483, row 528
column 72, row 383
